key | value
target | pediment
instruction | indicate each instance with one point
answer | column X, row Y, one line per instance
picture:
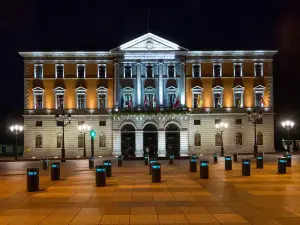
column 149, row 42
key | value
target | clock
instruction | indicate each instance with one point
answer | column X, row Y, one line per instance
column 149, row 44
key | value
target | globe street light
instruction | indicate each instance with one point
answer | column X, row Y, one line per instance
column 288, row 125
column 60, row 121
column 221, row 127
column 255, row 118
column 84, row 129
column 16, row 129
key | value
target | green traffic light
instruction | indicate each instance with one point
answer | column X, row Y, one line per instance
column 93, row 133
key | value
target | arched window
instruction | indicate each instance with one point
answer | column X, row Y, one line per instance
column 218, row 139
column 80, row 141
column 59, row 141
column 102, row 141
column 260, row 138
column 239, row 139
column 38, row 141
column 197, row 139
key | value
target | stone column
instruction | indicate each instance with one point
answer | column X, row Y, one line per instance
column 139, row 143
column 184, row 148
column 116, row 85
column 160, row 84
column 138, row 84
column 161, row 148
column 116, row 143
column 182, row 83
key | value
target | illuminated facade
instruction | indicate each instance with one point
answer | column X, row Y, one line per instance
column 148, row 92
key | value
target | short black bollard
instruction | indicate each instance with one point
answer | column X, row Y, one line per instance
column 55, row 171
column 107, row 164
column 171, row 159
column 288, row 160
column 120, row 160
column 235, row 157
column 193, row 164
column 45, row 164
column 100, row 176
column 282, row 165
column 156, row 172
column 215, row 158
column 228, row 163
column 204, row 169
column 146, row 158
column 32, row 179
column 260, row 161
column 151, row 161
column 246, row 167
column 91, row 162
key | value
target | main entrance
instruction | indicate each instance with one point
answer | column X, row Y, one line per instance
column 128, row 141
column 150, row 139
column 173, row 140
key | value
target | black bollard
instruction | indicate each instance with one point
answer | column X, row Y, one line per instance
column 288, row 160
column 146, row 158
column 171, row 159
column 228, row 163
column 151, row 161
column 204, row 169
column 91, row 162
column 260, row 161
column 193, row 164
column 55, row 171
column 282, row 165
column 235, row 157
column 156, row 172
column 100, row 176
column 120, row 161
column 107, row 164
column 45, row 164
column 32, row 179
column 246, row 167
column 215, row 158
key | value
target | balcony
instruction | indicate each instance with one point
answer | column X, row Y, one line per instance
column 208, row 110
column 75, row 111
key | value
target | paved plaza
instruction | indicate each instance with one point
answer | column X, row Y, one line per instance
column 264, row 198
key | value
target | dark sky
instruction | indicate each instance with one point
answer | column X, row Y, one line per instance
column 195, row 24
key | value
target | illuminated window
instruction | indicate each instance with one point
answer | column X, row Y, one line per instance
column 102, row 71
column 80, row 71
column 239, row 139
column 197, row 139
column 38, row 70
column 59, row 70
column 80, row 140
column 197, row 70
column 150, row 97
column 197, row 97
column 81, row 98
column 102, row 97
column 259, row 96
column 102, row 141
column 238, row 70
column 38, row 141
column 238, row 96
column 218, row 139
column 59, row 97
column 218, row 96
column 127, row 98
column 38, row 94
column 217, row 67
column 258, row 69
column 260, row 138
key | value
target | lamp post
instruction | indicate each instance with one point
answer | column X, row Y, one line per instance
column 16, row 129
column 255, row 117
column 221, row 127
column 93, row 135
column 84, row 129
column 288, row 125
column 63, row 121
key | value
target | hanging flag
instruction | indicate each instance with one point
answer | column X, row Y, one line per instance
column 130, row 103
column 177, row 103
column 199, row 101
column 262, row 102
column 239, row 102
column 145, row 101
column 154, row 101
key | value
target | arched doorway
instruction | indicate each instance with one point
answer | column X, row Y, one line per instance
column 150, row 138
column 172, row 139
column 128, row 141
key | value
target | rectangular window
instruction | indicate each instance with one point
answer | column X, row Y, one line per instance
column 128, row 100
column 218, row 121
column 218, row 100
column 148, row 100
column 80, row 71
column 59, row 71
column 38, row 101
column 60, row 123
column 171, row 71
column 102, row 101
column 80, row 101
column 196, row 71
column 38, row 123
column 80, row 123
column 102, row 141
column 102, row 71
column 217, row 70
column 258, row 69
column 238, row 70
column 102, row 123
column 258, row 99
column 260, row 121
column 238, row 121
column 197, row 122
column 195, row 100
column 127, row 71
column 149, row 71
column 59, row 101
column 171, row 99
column 238, row 99
column 38, row 71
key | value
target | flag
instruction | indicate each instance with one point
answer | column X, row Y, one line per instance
column 154, row 101
column 145, row 101
column 130, row 103
column 199, row 101
column 239, row 103
column 262, row 102
column 177, row 103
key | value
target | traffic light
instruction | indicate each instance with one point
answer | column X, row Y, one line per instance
column 92, row 133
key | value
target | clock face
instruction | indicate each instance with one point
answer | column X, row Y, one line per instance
column 149, row 45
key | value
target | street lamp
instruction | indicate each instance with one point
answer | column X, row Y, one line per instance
column 60, row 121
column 84, row 129
column 16, row 129
column 255, row 118
column 288, row 125
column 221, row 127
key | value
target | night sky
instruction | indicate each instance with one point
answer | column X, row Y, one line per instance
column 195, row 24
